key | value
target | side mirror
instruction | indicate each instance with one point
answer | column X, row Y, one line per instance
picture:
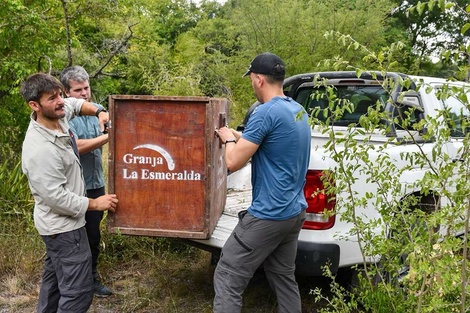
column 410, row 99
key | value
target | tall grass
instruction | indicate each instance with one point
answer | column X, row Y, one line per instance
column 15, row 196
column 146, row 274
column 21, row 249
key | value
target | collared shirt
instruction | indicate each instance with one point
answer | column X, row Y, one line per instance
column 88, row 127
column 55, row 175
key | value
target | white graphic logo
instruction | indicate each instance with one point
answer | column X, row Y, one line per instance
column 163, row 152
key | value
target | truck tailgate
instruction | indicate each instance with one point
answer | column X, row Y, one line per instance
column 237, row 200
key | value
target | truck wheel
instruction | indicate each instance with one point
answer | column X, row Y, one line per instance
column 427, row 205
column 381, row 272
column 348, row 277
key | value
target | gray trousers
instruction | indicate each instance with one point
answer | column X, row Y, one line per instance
column 67, row 281
column 255, row 242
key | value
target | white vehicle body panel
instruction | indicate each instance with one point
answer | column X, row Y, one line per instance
column 239, row 184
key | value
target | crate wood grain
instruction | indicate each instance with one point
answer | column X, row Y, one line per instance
column 166, row 165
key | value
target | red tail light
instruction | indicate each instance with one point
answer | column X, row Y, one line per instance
column 320, row 204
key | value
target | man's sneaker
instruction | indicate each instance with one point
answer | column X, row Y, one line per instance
column 100, row 290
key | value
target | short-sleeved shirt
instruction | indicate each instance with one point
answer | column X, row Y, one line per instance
column 280, row 128
column 88, row 127
column 55, row 175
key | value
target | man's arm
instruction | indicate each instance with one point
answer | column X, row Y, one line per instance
column 87, row 145
column 89, row 109
column 237, row 134
column 237, row 153
column 103, row 203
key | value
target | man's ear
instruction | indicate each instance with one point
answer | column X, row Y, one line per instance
column 35, row 106
column 259, row 79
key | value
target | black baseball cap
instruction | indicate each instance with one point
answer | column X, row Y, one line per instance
column 267, row 64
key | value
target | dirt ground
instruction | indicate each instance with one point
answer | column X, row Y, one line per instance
column 140, row 287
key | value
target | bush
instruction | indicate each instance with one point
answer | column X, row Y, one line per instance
column 418, row 261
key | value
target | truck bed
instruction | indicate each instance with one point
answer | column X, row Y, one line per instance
column 237, row 200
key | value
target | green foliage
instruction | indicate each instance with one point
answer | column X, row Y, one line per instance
column 21, row 47
column 433, row 27
column 340, row 301
column 175, row 47
column 14, row 119
column 15, row 196
column 124, row 248
column 16, row 225
column 413, row 258
column 21, row 250
column 414, row 235
column 168, row 47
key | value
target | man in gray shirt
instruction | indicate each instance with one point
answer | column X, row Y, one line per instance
column 50, row 161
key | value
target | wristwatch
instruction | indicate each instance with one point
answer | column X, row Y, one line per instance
column 99, row 111
column 230, row 140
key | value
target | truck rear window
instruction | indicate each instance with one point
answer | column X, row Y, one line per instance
column 360, row 96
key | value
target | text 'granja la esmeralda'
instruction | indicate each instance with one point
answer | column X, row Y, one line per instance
column 149, row 172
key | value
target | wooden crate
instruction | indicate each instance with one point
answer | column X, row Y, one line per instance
column 166, row 165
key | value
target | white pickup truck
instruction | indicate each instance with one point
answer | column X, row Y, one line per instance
column 327, row 238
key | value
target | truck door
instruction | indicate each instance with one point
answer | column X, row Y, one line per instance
column 457, row 118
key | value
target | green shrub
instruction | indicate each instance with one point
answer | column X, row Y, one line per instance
column 15, row 195
column 421, row 265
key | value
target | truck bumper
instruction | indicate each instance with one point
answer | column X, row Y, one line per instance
column 312, row 257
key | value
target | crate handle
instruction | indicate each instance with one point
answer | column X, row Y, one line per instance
column 222, row 123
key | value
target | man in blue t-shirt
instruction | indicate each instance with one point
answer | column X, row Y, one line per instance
column 277, row 139
column 90, row 139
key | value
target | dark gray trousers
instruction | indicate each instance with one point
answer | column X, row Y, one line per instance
column 255, row 242
column 67, row 281
column 93, row 221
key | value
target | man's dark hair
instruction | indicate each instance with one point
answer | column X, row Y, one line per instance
column 277, row 80
column 38, row 84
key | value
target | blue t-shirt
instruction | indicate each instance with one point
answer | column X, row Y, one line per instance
column 280, row 128
column 88, row 127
